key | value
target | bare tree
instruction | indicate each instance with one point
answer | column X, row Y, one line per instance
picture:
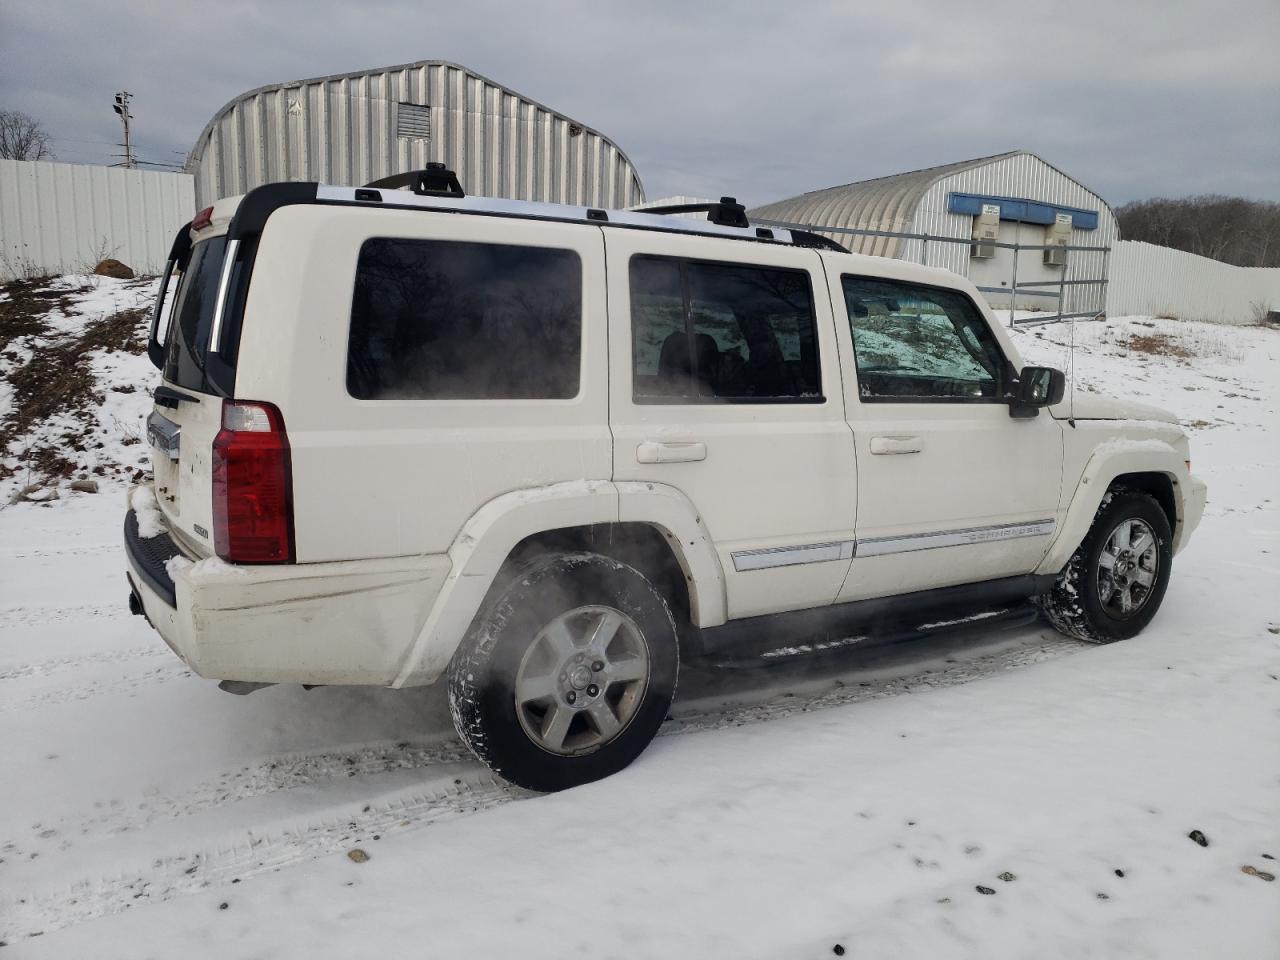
column 23, row 137
column 1231, row 229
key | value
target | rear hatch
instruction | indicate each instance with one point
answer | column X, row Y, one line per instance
column 188, row 406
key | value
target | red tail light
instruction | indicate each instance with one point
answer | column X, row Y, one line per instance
column 202, row 219
column 252, row 485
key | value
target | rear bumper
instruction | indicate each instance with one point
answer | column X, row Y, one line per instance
column 351, row 622
column 148, row 559
column 1192, row 510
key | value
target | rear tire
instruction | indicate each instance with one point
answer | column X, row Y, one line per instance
column 567, row 674
column 1115, row 581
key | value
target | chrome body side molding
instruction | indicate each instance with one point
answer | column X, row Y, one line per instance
column 881, row 546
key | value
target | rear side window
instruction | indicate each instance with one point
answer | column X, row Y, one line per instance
column 446, row 320
column 704, row 332
column 919, row 343
column 192, row 315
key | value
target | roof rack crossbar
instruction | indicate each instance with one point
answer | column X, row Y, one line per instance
column 727, row 213
column 435, row 181
column 807, row 238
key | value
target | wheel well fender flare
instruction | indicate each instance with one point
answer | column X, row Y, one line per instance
column 486, row 540
column 673, row 514
column 1113, row 460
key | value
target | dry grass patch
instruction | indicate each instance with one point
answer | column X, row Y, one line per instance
column 52, row 377
column 1158, row 344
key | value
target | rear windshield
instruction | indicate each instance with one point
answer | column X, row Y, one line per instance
column 448, row 320
column 192, row 315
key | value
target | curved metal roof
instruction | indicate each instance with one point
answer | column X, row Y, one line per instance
column 885, row 203
column 207, row 132
column 343, row 128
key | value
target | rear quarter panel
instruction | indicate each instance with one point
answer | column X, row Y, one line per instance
column 384, row 478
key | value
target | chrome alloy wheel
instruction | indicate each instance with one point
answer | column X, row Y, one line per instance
column 1127, row 568
column 582, row 680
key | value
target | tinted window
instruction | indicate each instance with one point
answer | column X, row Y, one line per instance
column 192, row 315
column 707, row 331
column 921, row 343
column 438, row 319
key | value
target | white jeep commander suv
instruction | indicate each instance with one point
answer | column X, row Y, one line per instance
column 548, row 449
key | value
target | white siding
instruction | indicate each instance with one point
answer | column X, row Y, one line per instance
column 1151, row 280
column 59, row 217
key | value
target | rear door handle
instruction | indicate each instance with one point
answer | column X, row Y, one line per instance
column 896, row 445
column 659, row 451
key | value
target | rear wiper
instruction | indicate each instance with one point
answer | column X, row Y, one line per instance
column 168, row 397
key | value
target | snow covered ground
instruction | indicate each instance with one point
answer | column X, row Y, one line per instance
column 862, row 803
column 73, row 381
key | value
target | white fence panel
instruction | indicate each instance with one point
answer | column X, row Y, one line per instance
column 62, row 217
column 1151, row 280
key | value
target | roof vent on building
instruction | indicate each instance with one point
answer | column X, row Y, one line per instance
column 413, row 121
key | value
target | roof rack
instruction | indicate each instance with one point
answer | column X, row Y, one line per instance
column 437, row 188
column 727, row 213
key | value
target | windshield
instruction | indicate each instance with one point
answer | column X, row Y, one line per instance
column 192, row 315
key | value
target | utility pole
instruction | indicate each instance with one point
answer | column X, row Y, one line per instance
column 122, row 108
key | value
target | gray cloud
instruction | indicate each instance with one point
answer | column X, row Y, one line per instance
column 759, row 99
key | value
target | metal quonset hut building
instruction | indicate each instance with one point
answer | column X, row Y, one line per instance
column 1015, row 197
column 353, row 128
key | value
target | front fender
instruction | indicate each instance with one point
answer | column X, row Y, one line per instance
column 1110, row 460
column 487, row 539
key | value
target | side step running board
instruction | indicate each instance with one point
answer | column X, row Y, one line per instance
column 834, row 642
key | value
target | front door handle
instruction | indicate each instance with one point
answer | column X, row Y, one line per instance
column 661, row 451
column 896, row 445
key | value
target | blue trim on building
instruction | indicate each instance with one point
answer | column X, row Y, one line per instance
column 1028, row 211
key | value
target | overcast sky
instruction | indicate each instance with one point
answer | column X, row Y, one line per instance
column 758, row 99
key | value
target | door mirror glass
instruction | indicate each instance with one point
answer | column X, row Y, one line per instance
column 1038, row 387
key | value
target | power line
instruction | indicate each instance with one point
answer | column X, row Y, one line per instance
column 108, row 143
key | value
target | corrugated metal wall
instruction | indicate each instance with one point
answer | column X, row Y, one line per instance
column 63, row 217
column 343, row 130
column 1151, row 280
column 1023, row 176
column 917, row 202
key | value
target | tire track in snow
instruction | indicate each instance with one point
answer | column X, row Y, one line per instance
column 1042, row 648
column 60, row 613
column 34, row 553
column 269, row 775
column 202, row 867
column 286, row 771
column 98, row 688
column 474, row 790
column 45, row 668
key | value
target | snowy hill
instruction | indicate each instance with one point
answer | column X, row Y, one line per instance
column 75, row 383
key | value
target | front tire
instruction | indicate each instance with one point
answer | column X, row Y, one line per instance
column 1115, row 581
column 567, row 674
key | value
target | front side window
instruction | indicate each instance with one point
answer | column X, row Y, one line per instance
column 446, row 320
column 914, row 342
column 706, row 332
